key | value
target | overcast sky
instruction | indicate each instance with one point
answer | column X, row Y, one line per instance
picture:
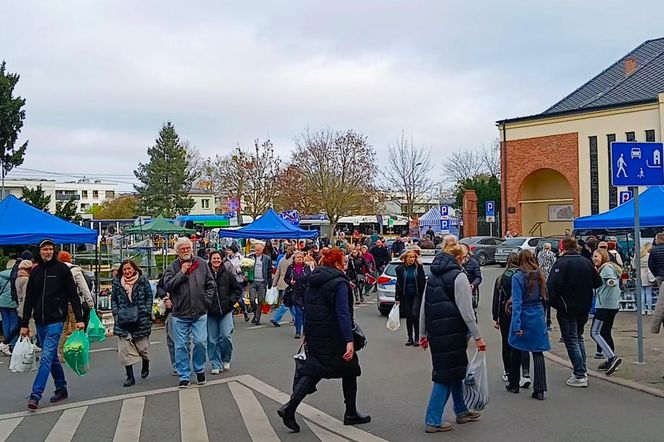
column 100, row 77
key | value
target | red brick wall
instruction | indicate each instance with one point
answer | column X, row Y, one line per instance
column 523, row 157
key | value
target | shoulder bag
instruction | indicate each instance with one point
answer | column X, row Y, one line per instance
column 359, row 338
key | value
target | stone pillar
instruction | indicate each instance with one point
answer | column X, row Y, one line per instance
column 469, row 213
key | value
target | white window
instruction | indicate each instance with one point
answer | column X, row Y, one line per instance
column 95, row 194
column 205, row 203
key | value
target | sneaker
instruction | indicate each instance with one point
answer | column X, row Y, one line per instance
column 200, row 378
column 215, row 371
column 174, row 373
column 33, row 403
column 435, row 429
column 578, row 382
column 59, row 395
column 599, row 355
column 614, row 362
column 275, row 323
column 603, row 366
column 505, row 377
column 297, row 336
column 525, row 382
column 227, row 366
column 183, row 384
column 468, row 416
column 4, row 349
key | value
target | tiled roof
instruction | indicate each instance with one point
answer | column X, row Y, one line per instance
column 613, row 87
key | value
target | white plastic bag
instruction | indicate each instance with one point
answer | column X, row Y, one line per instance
column 393, row 320
column 272, row 296
column 476, row 383
column 23, row 357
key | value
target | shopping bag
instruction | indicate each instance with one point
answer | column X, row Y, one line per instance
column 96, row 331
column 476, row 383
column 77, row 352
column 23, row 357
column 393, row 321
column 272, row 296
column 300, row 359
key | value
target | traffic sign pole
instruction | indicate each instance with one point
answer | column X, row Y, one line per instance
column 637, row 259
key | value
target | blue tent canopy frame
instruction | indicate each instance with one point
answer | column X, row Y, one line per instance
column 269, row 226
column 651, row 213
column 23, row 224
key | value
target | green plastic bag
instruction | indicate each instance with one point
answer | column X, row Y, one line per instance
column 77, row 352
column 96, row 330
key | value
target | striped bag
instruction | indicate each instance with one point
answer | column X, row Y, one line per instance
column 476, row 383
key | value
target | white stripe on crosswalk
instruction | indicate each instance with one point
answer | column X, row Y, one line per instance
column 192, row 420
column 66, row 426
column 255, row 419
column 7, row 427
column 129, row 423
column 324, row 435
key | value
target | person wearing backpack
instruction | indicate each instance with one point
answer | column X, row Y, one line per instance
column 502, row 316
column 528, row 331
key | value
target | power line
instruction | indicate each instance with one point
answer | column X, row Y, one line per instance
column 106, row 177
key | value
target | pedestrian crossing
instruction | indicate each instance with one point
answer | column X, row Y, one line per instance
column 235, row 408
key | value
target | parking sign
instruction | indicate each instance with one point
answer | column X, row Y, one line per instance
column 624, row 196
column 490, row 209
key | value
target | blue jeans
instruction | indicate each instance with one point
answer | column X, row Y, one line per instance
column 299, row 318
column 220, row 343
column 49, row 336
column 281, row 311
column 185, row 329
column 10, row 326
column 439, row 396
column 571, row 329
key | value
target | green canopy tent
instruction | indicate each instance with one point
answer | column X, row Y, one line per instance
column 159, row 226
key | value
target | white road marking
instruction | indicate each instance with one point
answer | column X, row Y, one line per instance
column 129, row 422
column 7, row 427
column 65, row 428
column 192, row 419
column 323, row 434
column 97, row 350
column 253, row 415
column 255, row 327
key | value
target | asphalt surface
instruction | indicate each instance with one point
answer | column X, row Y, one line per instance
column 394, row 388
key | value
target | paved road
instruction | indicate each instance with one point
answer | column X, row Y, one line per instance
column 241, row 404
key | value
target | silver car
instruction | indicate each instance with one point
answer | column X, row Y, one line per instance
column 515, row 245
column 387, row 281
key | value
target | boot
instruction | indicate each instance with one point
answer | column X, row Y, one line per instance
column 287, row 414
column 130, row 376
column 145, row 369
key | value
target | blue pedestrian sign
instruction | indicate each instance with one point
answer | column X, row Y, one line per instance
column 624, row 196
column 637, row 164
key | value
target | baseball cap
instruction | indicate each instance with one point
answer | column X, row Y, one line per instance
column 46, row 242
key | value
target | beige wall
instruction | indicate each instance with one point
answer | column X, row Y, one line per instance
column 617, row 121
column 540, row 190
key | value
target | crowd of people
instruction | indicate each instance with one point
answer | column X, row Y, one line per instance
column 49, row 297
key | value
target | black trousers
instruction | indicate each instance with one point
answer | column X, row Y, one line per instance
column 413, row 327
column 539, row 382
column 306, row 385
column 504, row 323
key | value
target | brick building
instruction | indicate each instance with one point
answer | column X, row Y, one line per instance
column 555, row 165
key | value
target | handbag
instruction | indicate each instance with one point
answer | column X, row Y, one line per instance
column 300, row 359
column 128, row 316
column 359, row 338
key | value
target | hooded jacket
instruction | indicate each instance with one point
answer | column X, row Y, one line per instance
column 227, row 292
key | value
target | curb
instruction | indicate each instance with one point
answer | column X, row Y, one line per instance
column 617, row 381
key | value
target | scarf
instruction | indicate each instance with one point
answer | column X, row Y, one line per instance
column 298, row 268
column 128, row 284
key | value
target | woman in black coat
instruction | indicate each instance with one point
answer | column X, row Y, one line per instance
column 220, row 316
column 328, row 339
column 297, row 278
column 411, row 281
column 131, row 298
column 474, row 273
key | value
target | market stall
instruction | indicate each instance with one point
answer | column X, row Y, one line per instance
column 269, row 226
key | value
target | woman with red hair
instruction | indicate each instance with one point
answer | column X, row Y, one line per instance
column 328, row 339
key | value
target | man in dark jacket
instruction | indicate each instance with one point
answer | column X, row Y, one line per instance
column 656, row 258
column 191, row 286
column 50, row 289
column 381, row 255
column 398, row 247
column 570, row 285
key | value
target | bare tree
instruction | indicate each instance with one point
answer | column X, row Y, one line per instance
column 407, row 172
column 491, row 158
column 467, row 163
column 338, row 169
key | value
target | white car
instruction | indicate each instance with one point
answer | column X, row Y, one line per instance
column 387, row 281
column 515, row 245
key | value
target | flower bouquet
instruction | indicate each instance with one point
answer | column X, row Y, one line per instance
column 247, row 266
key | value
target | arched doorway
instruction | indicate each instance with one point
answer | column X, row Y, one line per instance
column 546, row 202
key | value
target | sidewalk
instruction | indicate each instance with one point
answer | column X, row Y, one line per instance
column 624, row 337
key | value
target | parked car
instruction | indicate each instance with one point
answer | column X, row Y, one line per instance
column 483, row 247
column 515, row 245
column 387, row 281
column 556, row 244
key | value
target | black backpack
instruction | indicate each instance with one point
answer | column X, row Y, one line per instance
column 13, row 276
column 506, row 291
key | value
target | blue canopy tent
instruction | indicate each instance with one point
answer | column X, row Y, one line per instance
column 21, row 223
column 651, row 213
column 269, row 226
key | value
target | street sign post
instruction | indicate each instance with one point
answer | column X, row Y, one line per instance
column 637, row 164
column 490, row 211
column 444, row 219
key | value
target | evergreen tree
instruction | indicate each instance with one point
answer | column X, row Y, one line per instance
column 68, row 211
column 166, row 178
column 36, row 197
column 11, row 122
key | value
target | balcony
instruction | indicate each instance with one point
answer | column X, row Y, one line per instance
column 62, row 196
